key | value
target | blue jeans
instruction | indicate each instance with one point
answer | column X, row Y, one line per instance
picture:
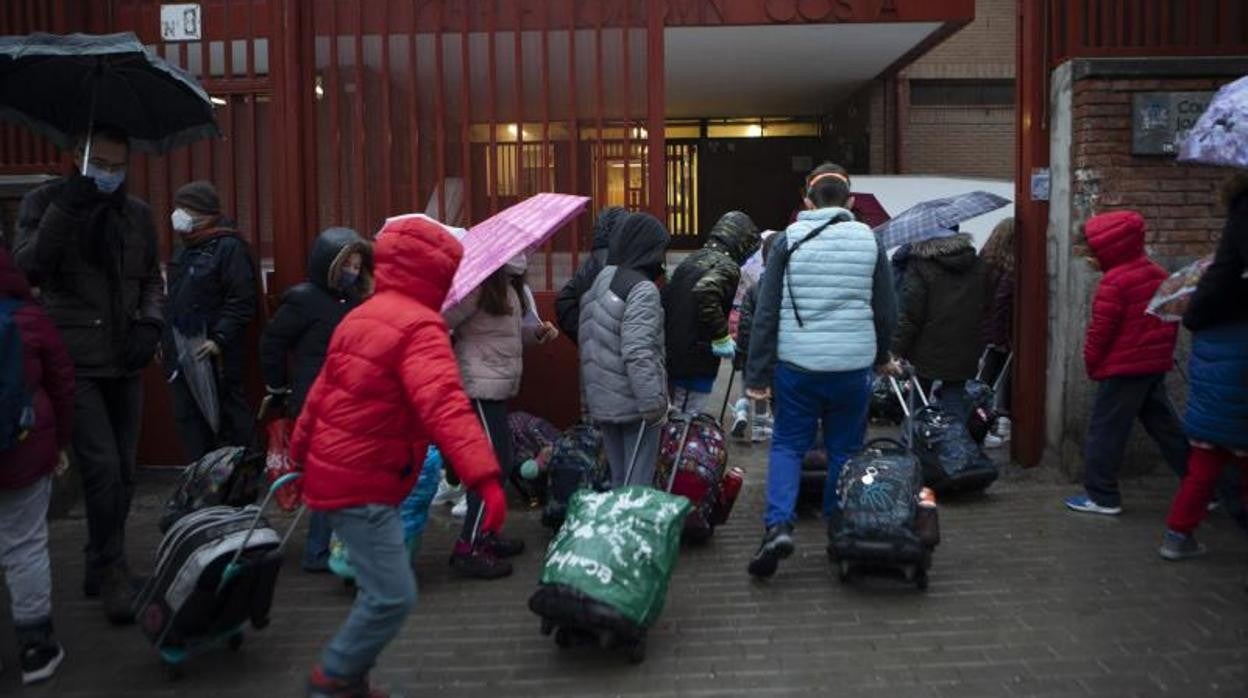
column 804, row 401
column 316, row 548
column 385, row 583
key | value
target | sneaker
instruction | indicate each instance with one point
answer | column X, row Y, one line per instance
column 777, row 545
column 1004, row 426
column 322, row 686
column 479, row 562
column 1084, row 503
column 1177, row 546
column 993, row 441
column 739, row 423
column 460, row 510
column 447, row 493
column 760, row 434
column 40, row 660
column 502, row 547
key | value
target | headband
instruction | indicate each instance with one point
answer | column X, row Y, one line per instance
column 811, row 184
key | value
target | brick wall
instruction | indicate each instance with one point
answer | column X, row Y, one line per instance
column 982, row 49
column 957, row 140
column 960, row 141
column 1179, row 202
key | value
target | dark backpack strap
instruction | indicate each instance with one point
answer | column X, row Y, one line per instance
column 625, row 280
column 788, row 278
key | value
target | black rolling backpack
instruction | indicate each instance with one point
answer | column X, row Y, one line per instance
column 952, row 462
column 882, row 522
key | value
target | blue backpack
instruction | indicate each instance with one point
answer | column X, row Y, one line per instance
column 17, row 409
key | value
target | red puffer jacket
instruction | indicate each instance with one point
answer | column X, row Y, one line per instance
column 390, row 384
column 49, row 376
column 1122, row 339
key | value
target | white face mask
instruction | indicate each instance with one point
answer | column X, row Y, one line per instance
column 517, row 265
column 182, row 221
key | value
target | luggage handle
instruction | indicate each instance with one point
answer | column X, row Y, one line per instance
column 888, row 441
column 1005, row 368
column 632, row 462
column 680, row 453
column 231, row 569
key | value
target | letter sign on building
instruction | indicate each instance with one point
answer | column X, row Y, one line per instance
column 1161, row 120
column 180, row 22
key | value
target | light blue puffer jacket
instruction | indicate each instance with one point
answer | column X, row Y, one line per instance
column 831, row 279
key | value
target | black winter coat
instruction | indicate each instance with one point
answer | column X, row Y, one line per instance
column 698, row 297
column 212, row 288
column 95, row 304
column 1220, row 296
column 293, row 346
column 943, row 300
column 568, row 301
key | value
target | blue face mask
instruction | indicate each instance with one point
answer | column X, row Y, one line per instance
column 347, row 279
column 106, row 182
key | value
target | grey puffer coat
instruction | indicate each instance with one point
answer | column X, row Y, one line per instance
column 623, row 372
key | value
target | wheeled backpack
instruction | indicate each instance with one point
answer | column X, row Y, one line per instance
column 693, row 463
column 216, row 571
column 577, row 461
column 881, row 521
column 952, row 461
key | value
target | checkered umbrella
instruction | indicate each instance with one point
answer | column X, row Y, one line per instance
column 936, row 218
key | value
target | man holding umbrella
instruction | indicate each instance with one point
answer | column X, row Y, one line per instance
column 91, row 249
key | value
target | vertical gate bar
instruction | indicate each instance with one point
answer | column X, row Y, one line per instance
column 628, row 103
column 518, row 97
column 550, row 267
column 491, row 30
column 1225, row 33
column 335, row 117
column 1074, row 28
column 465, row 119
column 387, row 128
column 359, row 191
column 600, row 162
column 1163, row 24
column 1194, row 23
column 227, row 49
column 439, row 110
column 231, row 139
column 414, row 112
column 574, row 131
column 249, row 50
column 657, row 112
column 253, row 157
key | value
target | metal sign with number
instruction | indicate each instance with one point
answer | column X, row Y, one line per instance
column 181, row 22
column 1161, row 120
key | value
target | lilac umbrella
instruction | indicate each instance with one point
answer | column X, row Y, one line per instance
column 489, row 244
column 1220, row 136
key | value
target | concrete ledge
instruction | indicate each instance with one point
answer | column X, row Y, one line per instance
column 1158, row 68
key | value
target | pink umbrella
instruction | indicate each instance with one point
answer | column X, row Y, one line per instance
column 489, row 244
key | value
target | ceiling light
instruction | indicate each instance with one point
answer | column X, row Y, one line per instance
column 217, row 101
column 754, row 131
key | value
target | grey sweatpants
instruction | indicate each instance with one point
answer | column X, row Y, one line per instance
column 24, row 551
column 620, row 442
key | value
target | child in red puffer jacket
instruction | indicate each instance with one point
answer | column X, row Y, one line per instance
column 1128, row 352
column 389, row 388
column 26, row 468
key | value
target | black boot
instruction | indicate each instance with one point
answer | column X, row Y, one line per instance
column 41, row 653
column 117, row 592
column 777, row 545
column 502, row 547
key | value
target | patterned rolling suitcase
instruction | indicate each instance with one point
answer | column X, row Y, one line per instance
column 693, row 463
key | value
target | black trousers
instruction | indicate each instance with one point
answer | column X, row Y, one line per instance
column 237, row 421
column 493, row 416
column 1119, row 402
column 107, row 414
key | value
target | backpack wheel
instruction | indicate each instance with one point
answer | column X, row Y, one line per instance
column 235, row 641
column 563, row 638
column 844, row 571
column 637, row 651
column 920, row 580
column 548, row 626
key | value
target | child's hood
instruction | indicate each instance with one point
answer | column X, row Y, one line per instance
column 1115, row 238
column 417, row 258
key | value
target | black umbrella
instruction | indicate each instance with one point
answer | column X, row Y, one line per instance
column 61, row 85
